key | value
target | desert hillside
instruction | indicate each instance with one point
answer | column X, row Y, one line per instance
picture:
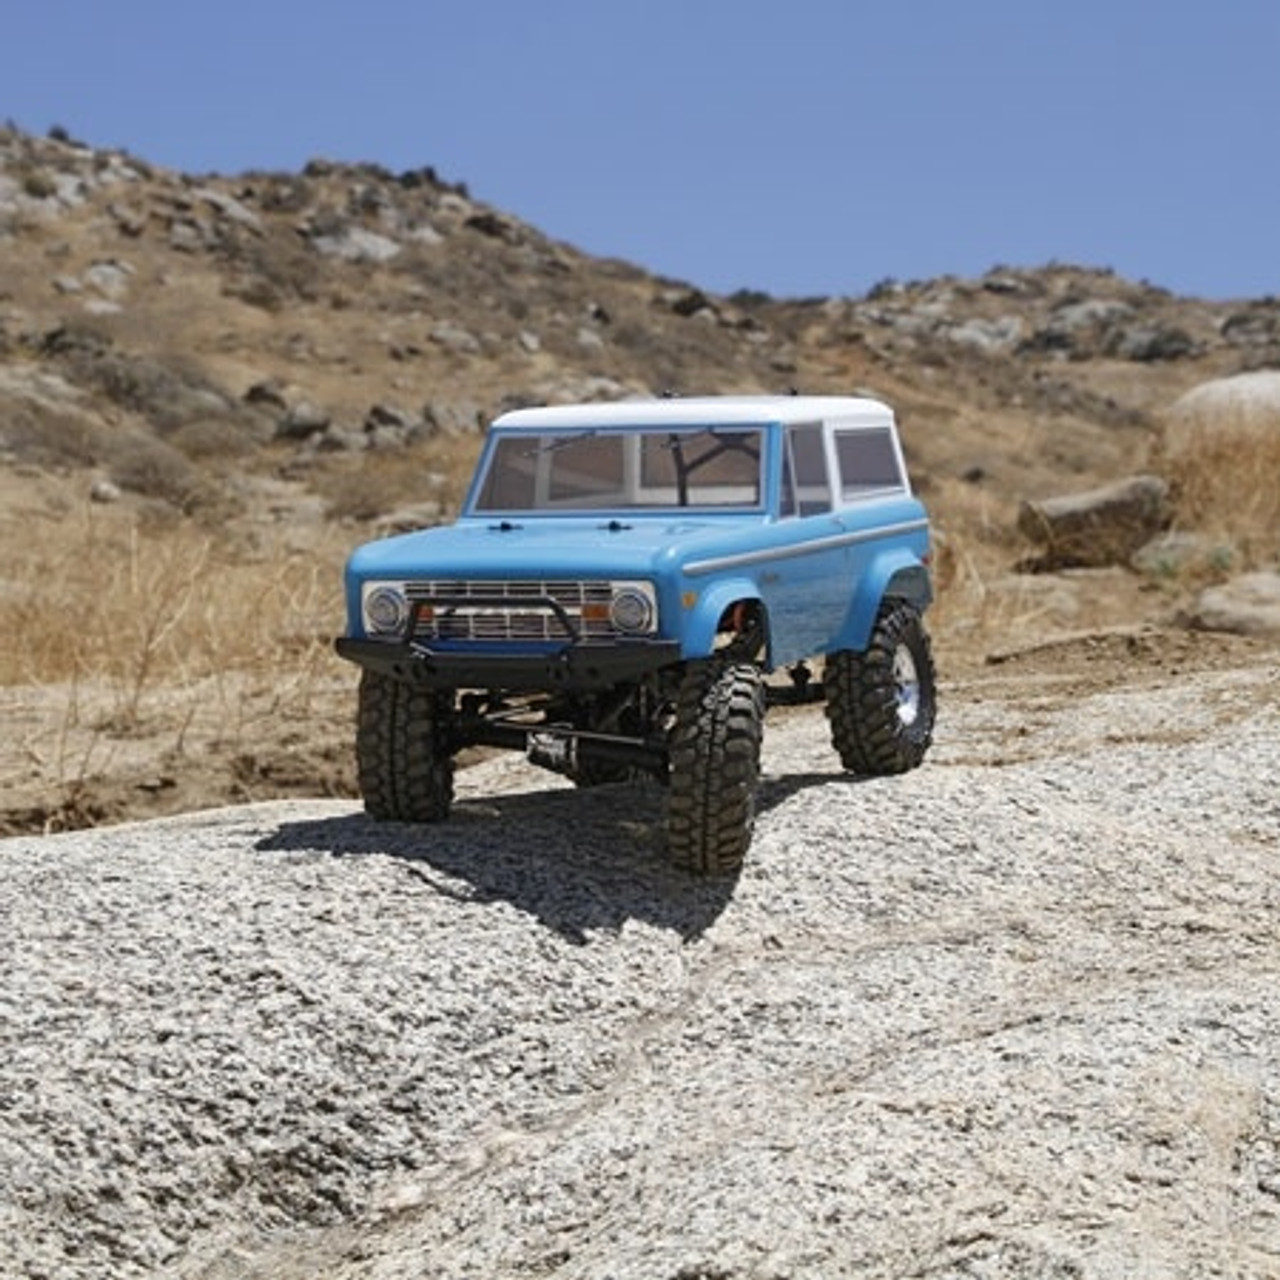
column 212, row 387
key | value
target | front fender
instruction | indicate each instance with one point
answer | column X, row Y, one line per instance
column 702, row 617
column 896, row 573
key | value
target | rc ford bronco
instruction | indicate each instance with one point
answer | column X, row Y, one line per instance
column 620, row 582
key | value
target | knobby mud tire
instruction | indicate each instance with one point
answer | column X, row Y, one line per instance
column 882, row 702
column 715, row 767
column 404, row 756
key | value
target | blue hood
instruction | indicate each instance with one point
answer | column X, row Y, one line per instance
column 542, row 548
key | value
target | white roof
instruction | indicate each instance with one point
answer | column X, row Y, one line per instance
column 701, row 410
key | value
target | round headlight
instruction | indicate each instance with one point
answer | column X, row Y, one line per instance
column 386, row 610
column 631, row 611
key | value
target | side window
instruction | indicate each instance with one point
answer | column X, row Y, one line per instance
column 805, row 488
column 868, row 463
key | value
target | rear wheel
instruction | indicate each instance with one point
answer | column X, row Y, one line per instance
column 715, row 766
column 404, row 752
column 882, row 702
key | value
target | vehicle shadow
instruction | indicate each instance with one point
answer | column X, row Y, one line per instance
column 577, row 861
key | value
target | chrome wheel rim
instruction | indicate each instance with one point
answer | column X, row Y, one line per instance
column 906, row 685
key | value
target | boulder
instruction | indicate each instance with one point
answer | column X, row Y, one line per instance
column 1149, row 343
column 453, row 337
column 1099, row 527
column 1079, row 329
column 1257, row 326
column 452, row 418
column 302, row 420
column 1248, row 605
column 269, row 392
column 1247, row 404
column 355, row 244
column 992, row 336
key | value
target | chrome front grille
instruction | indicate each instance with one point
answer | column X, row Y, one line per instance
column 553, row 609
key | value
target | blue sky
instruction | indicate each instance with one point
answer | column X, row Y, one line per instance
column 801, row 147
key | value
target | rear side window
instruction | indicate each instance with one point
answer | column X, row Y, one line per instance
column 869, row 463
column 805, row 490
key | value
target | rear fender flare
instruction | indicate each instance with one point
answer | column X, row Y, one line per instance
column 896, row 574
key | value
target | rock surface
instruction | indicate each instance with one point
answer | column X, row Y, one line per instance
column 1247, row 605
column 1102, row 526
column 1015, row 1014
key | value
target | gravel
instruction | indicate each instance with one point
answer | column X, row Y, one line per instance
column 1014, row 1014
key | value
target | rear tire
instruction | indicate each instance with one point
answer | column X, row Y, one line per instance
column 404, row 752
column 882, row 702
column 715, row 766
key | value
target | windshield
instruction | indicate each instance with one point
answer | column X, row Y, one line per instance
column 599, row 470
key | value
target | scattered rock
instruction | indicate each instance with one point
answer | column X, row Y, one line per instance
column 230, row 208
column 302, row 420
column 992, row 336
column 423, row 233
column 129, row 221
column 1257, row 326
column 492, row 224
column 334, row 439
column 270, row 392
column 111, row 279
column 385, row 415
column 1172, row 554
column 1078, row 329
column 452, row 417
column 689, row 302
column 1248, row 605
column 1103, row 526
column 188, row 236
column 355, row 244
column 453, row 337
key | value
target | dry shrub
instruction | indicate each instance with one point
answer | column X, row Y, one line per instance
column 217, row 439
column 53, row 436
column 155, row 469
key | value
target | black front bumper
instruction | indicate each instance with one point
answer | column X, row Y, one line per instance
column 578, row 665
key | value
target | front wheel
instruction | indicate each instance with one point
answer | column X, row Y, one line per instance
column 882, row 702
column 715, row 766
column 404, row 750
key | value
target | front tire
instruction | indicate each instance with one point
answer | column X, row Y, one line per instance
column 715, row 766
column 404, row 753
column 882, row 702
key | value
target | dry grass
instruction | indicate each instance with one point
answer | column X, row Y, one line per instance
column 145, row 614
column 147, row 656
column 1226, row 485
